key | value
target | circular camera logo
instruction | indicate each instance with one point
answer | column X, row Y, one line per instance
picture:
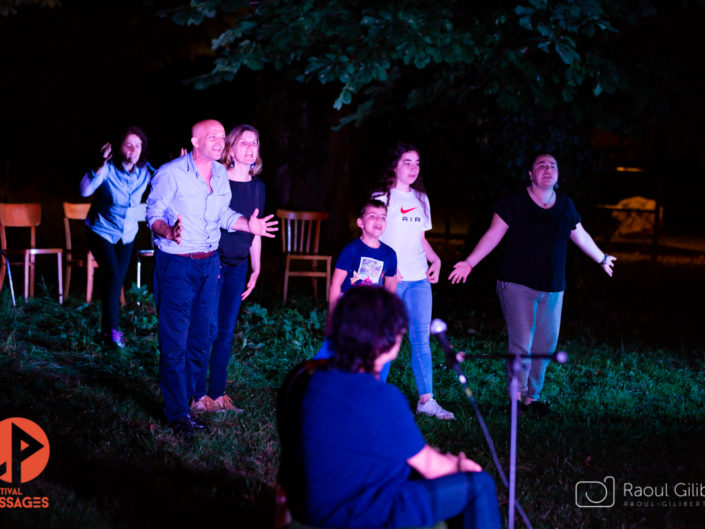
column 24, row 450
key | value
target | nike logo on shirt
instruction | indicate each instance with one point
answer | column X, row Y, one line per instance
column 405, row 211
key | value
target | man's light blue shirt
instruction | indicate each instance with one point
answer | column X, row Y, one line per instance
column 179, row 189
column 116, row 208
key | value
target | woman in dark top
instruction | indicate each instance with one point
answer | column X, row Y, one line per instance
column 241, row 157
column 537, row 223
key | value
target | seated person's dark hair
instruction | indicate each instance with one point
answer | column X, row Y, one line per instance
column 371, row 203
column 365, row 323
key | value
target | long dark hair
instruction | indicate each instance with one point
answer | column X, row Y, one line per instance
column 389, row 177
column 118, row 158
column 366, row 322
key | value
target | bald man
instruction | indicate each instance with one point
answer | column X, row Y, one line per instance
column 187, row 207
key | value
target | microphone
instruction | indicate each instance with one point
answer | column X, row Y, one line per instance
column 438, row 328
column 561, row 357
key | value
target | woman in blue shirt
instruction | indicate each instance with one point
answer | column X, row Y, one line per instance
column 117, row 185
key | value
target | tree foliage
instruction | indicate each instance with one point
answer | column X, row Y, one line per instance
column 10, row 7
column 530, row 54
column 492, row 82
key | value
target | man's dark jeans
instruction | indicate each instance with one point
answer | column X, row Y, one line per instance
column 185, row 291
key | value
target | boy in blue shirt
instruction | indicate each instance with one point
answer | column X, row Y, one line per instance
column 363, row 262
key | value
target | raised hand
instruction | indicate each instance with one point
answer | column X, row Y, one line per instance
column 106, row 151
column 264, row 226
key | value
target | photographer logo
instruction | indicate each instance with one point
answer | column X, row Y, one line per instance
column 595, row 494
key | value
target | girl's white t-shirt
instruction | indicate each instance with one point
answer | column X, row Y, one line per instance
column 406, row 221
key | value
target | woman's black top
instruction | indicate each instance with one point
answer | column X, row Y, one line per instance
column 536, row 242
column 246, row 197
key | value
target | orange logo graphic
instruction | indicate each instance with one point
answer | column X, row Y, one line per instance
column 24, row 450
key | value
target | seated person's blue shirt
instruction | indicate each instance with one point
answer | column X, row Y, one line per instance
column 366, row 265
column 357, row 434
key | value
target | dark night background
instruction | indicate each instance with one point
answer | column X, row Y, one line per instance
column 72, row 75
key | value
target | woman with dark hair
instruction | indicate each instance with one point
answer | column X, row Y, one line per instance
column 118, row 185
column 352, row 454
column 242, row 160
column 418, row 266
column 537, row 223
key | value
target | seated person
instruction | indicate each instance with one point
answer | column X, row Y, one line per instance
column 352, row 455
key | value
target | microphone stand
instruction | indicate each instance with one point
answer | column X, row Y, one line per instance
column 438, row 328
column 561, row 358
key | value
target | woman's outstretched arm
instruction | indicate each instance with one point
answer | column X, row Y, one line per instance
column 485, row 245
column 583, row 241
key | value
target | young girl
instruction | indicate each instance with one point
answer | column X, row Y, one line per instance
column 418, row 266
column 241, row 157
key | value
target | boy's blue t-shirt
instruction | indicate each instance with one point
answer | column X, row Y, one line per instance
column 356, row 436
column 365, row 265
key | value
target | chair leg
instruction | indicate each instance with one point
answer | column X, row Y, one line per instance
column 59, row 261
column 26, row 275
column 32, row 271
column 314, row 280
column 67, row 280
column 89, row 281
column 327, row 281
column 2, row 271
column 139, row 272
column 286, row 284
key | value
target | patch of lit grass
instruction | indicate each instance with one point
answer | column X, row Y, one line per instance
column 622, row 407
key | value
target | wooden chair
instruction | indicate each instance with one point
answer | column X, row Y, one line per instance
column 301, row 233
column 79, row 211
column 27, row 216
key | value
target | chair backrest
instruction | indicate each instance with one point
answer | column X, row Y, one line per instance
column 301, row 230
column 20, row 216
column 73, row 211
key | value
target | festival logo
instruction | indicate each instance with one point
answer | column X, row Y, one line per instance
column 24, row 454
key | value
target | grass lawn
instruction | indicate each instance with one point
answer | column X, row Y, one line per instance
column 629, row 404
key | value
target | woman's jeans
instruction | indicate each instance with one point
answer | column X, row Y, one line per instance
column 418, row 301
column 113, row 260
column 533, row 321
column 231, row 285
